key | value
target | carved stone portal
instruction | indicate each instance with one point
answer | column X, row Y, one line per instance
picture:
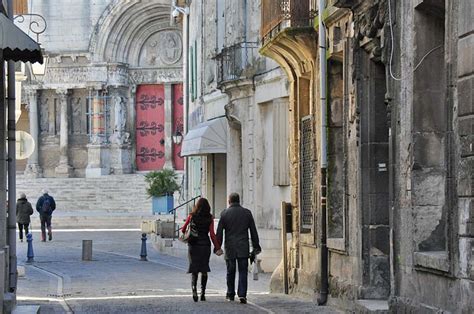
column 162, row 48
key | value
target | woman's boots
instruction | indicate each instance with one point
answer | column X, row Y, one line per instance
column 203, row 286
column 194, row 278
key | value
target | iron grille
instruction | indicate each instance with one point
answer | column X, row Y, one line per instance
column 234, row 60
column 98, row 119
column 307, row 173
column 280, row 14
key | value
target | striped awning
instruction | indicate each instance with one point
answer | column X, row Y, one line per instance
column 16, row 45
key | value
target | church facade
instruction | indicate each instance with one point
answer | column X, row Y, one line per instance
column 110, row 95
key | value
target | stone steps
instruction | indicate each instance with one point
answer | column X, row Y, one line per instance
column 125, row 193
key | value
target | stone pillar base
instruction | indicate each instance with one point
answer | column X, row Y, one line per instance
column 33, row 171
column 98, row 160
column 64, row 171
column 121, row 159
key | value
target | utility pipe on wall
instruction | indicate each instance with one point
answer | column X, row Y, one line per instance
column 11, row 167
column 323, row 294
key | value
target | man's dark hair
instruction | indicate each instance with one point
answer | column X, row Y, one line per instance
column 234, row 198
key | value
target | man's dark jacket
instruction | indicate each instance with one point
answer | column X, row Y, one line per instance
column 41, row 200
column 23, row 211
column 236, row 221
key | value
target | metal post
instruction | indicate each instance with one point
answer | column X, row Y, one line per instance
column 143, row 251
column 284, row 247
column 30, row 254
column 87, row 250
column 324, row 283
column 11, row 167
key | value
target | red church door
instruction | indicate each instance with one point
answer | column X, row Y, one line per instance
column 150, row 127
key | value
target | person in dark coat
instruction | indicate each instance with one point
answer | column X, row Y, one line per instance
column 45, row 207
column 23, row 212
column 236, row 221
column 199, row 248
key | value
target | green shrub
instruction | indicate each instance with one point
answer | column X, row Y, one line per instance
column 162, row 183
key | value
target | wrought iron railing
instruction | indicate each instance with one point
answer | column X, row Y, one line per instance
column 280, row 14
column 233, row 61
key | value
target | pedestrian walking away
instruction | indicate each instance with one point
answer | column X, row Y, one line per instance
column 23, row 212
column 235, row 223
column 201, row 223
column 45, row 207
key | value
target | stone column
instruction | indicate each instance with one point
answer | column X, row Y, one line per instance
column 33, row 169
column 64, row 169
column 98, row 150
column 168, row 126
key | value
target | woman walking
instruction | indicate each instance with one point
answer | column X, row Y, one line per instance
column 199, row 247
column 23, row 212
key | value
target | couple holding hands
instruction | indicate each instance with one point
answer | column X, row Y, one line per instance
column 233, row 229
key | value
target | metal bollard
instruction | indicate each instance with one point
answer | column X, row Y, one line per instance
column 87, row 250
column 30, row 254
column 143, row 252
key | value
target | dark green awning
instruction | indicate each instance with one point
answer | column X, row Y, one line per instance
column 16, row 45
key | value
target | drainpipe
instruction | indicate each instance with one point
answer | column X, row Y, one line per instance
column 11, row 167
column 323, row 294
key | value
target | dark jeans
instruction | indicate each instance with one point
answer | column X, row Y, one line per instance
column 243, row 272
column 45, row 222
column 20, row 228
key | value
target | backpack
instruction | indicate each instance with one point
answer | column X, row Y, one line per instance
column 46, row 207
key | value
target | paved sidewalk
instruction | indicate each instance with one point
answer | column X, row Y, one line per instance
column 117, row 282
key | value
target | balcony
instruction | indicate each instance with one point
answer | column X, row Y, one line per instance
column 236, row 62
column 280, row 14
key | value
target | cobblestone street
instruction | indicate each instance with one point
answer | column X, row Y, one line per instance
column 115, row 281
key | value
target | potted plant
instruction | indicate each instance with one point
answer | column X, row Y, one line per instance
column 161, row 186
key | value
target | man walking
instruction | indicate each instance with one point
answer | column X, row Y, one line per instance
column 236, row 222
column 45, row 207
column 23, row 213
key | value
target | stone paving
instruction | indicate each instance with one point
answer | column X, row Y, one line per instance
column 115, row 281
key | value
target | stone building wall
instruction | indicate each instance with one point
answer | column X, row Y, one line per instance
column 111, row 48
column 250, row 103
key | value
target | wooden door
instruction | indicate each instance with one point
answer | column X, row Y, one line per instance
column 150, row 127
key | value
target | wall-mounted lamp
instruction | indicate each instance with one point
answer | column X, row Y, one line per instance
column 177, row 10
column 177, row 138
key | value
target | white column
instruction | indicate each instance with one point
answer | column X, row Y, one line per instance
column 33, row 169
column 63, row 169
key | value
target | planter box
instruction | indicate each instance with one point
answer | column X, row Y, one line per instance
column 162, row 204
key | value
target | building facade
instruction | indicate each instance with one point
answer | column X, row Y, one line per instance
column 109, row 97
column 237, row 136
column 390, row 224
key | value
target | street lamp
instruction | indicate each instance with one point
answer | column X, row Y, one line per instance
column 177, row 138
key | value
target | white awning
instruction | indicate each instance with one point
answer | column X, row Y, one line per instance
column 16, row 45
column 209, row 137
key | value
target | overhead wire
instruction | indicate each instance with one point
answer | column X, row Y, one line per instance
column 392, row 48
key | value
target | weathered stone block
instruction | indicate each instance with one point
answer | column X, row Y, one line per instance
column 467, row 145
column 466, row 96
column 466, row 176
column 466, row 126
column 465, row 16
column 465, row 55
column 429, row 150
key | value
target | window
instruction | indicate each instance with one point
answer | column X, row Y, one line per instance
column 307, row 174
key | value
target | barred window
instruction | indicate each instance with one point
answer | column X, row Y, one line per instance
column 307, row 173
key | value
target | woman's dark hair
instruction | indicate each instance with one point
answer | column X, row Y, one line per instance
column 202, row 208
